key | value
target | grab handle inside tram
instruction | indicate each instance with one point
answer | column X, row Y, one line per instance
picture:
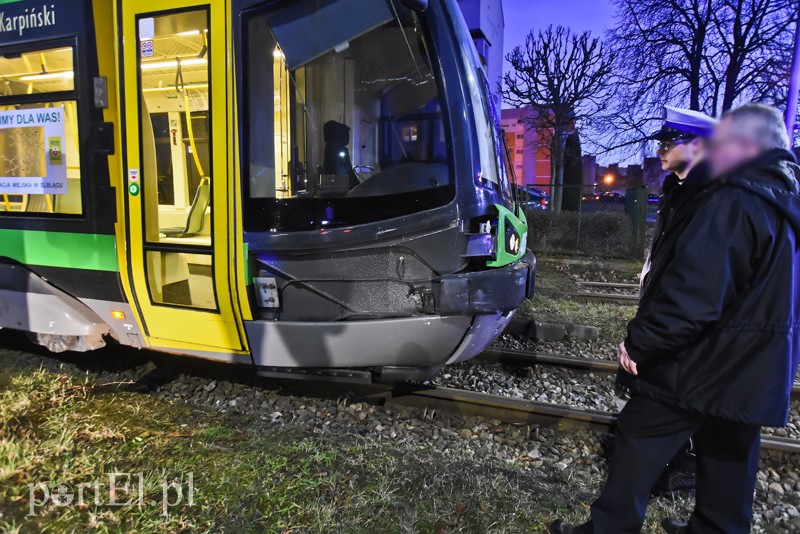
column 181, row 88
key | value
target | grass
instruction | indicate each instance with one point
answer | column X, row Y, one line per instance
column 611, row 318
column 59, row 427
column 555, row 280
column 62, row 429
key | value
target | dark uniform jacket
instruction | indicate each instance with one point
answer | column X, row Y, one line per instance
column 718, row 326
column 674, row 194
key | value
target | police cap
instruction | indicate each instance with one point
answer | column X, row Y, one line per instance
column 684, row 124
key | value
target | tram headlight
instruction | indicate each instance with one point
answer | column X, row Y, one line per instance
column 513, row 240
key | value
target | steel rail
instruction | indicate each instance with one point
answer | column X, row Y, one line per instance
column 511, row 410
column 524, row 357
column 505, row 409
column 605, row 296
column 613, row 285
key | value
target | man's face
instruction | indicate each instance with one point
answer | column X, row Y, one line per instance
column 729, row 148
column 675, row 156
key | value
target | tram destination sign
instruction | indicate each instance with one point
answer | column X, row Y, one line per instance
column 32, row 159
column 30, row 18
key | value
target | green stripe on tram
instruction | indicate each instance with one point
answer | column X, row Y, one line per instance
column 9, row 1
column 92, row 252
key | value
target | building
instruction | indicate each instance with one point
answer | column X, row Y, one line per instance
column 616, row 178
column 653, row 174
column 529, row 143
column 634, row 175
column 529, row 146
column 487, row 27
column 590, row 175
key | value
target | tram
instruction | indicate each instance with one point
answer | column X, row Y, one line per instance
column 304, row 186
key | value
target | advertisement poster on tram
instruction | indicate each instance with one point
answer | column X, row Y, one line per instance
column 32, row 159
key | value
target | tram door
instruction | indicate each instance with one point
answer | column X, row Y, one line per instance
column 175, row 123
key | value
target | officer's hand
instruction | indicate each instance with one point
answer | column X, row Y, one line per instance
column 625, row 361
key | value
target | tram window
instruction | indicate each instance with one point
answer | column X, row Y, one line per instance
column 176, row 151
column 165, row 140
column 39, row 136
column 337, row 110
column 202, row 143
column 38, row 71
column 181, row 279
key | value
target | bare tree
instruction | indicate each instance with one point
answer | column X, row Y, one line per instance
column 754, row 39
column 707, row 55
column 661, row 47
column 566, row 78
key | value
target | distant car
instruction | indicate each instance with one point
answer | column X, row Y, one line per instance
column 610, row 197
column 653, row 199
column 533, row 198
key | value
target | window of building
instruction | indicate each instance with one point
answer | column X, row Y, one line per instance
column 40, row 168
column 520, row 136
column 410, row 134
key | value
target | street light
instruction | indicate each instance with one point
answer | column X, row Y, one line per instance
column 608, row 179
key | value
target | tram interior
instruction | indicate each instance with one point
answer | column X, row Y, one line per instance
column 342, row 103
column 22, row 147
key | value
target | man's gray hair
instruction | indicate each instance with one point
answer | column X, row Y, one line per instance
column 762, row 124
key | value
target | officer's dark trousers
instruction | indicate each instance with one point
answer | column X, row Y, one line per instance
column 648, row 434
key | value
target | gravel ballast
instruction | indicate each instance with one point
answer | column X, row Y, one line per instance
column 574, row 454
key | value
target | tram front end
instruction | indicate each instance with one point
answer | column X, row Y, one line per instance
column 381, row 230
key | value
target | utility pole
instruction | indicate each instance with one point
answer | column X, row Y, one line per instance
column 794, row 81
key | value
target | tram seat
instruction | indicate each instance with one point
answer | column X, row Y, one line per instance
column 195, row 219
column 17, row 202
column 37, row 204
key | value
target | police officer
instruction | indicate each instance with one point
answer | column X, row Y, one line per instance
column 682, row 143
column 712, row 351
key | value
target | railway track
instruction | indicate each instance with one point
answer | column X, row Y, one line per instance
column 523, row 411
column 610, row 285
column 507, row 409
column 632, row 295
column 609, row 297
column 522, row 357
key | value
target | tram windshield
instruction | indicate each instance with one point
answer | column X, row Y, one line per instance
column 344, row 123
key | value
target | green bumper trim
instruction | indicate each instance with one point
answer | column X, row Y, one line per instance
column 93, row 252
column 509, row 226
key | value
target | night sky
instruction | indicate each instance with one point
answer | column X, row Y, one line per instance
column 523, row 15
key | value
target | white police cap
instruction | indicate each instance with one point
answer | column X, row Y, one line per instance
column 688, row 121
column 683, row 124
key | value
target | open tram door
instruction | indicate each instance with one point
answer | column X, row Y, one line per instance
column 175, row 123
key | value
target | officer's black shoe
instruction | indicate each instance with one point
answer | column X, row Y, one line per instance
column 674, row 526
column 559, row 527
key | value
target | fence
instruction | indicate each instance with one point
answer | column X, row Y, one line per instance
column 609, row 225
